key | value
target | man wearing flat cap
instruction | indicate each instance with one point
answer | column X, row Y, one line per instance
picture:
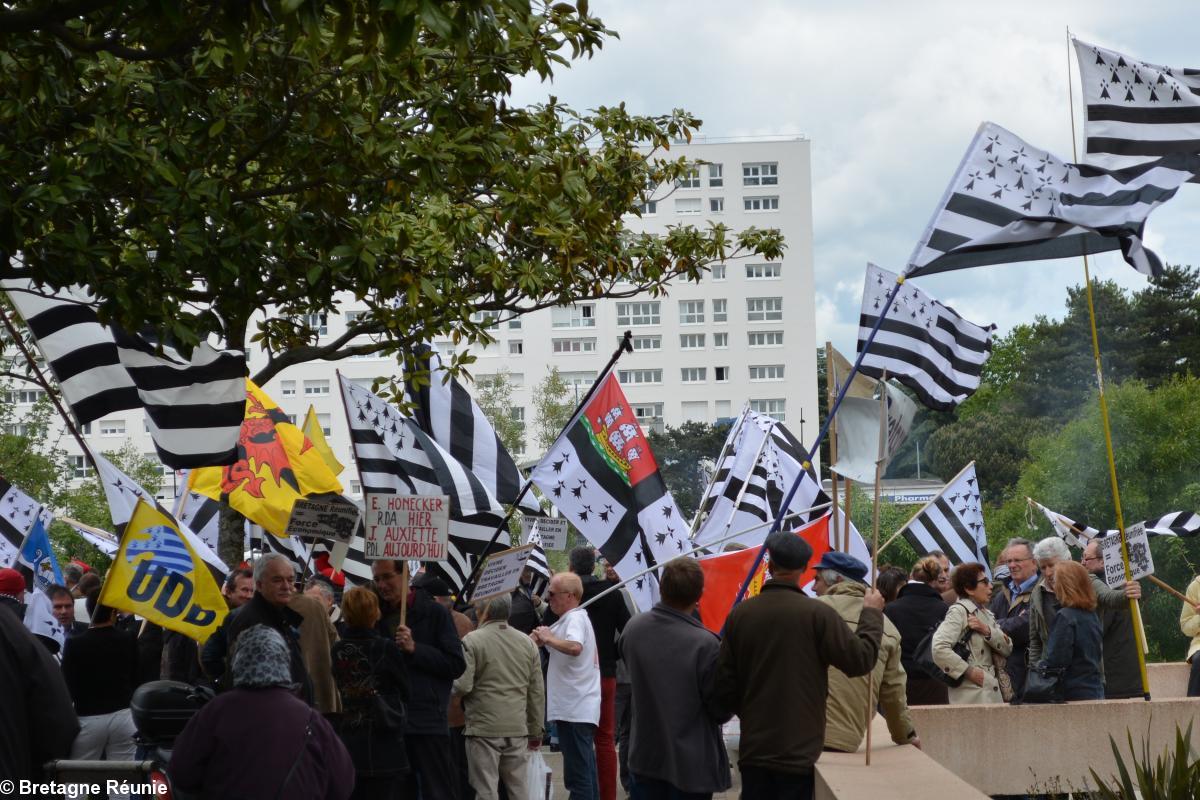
column 840, row 583
column 773, row 668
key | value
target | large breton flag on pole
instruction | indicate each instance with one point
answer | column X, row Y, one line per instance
column 952, row 522
column 193, row 406
column 448, row 413
column 1010, row 201
column 923, row 344
column 1077, row 534
column 19, row 514
column 1136, row 112
column 602, row 476
column 395, row 455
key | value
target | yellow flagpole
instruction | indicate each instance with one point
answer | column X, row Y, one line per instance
column 1134, row 612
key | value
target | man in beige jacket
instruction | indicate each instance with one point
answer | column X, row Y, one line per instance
column 503, row 700
column 839, row 583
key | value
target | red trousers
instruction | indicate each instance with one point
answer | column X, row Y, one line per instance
column 606, row 750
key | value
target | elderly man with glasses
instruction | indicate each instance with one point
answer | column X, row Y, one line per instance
column 1010, row 605
column 1122, row 674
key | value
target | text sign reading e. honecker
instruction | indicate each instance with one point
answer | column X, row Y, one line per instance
column 407, row 526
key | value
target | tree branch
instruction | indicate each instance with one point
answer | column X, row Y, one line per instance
column 334, row 351
column 26, row 20
column 113, row 45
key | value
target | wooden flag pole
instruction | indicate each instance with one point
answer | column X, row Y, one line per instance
column 830, row 391
column 404, row 592
column 873, row 576
column 1134, row 612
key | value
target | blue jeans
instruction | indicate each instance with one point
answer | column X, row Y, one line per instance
column 576, row 741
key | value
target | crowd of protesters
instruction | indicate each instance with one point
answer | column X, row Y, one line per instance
column 389, row 691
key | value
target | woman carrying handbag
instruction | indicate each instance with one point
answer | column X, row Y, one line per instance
column 1071, row 662
column 970, row 613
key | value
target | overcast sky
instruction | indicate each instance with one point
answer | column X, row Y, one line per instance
column 890, row 95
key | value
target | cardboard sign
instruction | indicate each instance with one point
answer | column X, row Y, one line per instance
column 553, row 531
column 1140, row 562
column 502, row 573
column 407, row 526
column 311, row 519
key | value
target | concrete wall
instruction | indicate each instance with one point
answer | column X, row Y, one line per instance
column 1001, row 749
column 1168, row 680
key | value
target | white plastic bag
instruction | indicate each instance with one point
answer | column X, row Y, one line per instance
column 537, row 777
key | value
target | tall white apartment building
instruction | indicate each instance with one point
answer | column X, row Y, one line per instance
column 744, row 334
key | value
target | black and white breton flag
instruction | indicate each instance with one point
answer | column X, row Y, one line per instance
column 1077, row 534
column 395, row 455
column 1010, row 201
column 923, row 344
column 194, row 407
column 953, row 523
column 1136, row 112
column 448, row 413
column 18, row 514
column 538, row 563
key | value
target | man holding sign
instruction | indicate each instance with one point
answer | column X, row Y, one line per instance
column 1122, row 676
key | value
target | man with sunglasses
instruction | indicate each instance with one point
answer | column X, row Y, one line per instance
column 1010, row 605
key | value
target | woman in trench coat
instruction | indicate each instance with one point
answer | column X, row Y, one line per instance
column 970, row 614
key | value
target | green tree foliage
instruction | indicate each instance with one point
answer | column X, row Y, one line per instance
column 552, row 407
column 241, row 157
column 493, row 393
column 686, row 457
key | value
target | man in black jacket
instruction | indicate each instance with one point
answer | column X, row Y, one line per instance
column 181, row 658
column 434, row 657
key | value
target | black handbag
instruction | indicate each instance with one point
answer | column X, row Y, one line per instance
column 924, row 658
column 1044, row 685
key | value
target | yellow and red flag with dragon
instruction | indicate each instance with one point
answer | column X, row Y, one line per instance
column 277, row 464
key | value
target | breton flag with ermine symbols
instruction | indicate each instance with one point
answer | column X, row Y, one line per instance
column 1078, row 534
column 953, row 523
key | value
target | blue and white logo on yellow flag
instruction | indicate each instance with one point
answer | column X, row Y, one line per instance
column 158, row 576
column 36, row 554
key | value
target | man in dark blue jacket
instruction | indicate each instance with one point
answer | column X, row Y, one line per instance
column 434, row 656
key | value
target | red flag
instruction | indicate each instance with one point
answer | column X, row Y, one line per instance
column 724, row 573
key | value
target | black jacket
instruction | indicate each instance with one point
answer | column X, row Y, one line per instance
column 259, row 612
column 918, row 610
column 1012, row 615
column 524, row 616
column 608, row 616
column 434, row 664
column 371, row 676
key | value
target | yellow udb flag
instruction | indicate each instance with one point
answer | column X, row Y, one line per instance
column 158, row 576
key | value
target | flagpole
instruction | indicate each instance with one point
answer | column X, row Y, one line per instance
column 625, row 346
column 874, row 574
column 830, row 386
column 1134, row 611
column 717, row 464
column 921, row 510
column 746, row 483
column 699, row 549
column 820, row 437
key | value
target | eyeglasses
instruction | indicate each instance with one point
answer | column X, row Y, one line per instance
column 1092, row 558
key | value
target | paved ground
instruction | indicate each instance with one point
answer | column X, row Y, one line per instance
column 554, row 760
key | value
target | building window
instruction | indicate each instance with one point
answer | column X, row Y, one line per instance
column 631, row 376
column 79, row 467
column 691, row 341
column 314, row 388
column 691, row 312
column 317, row 322
column 694, row 374
column 721, row 374
column 25, row 396
column 287, row 388
column 145, row 424
column 715, row 177
column 573, row 345
column 292, row 418
column 326, row 425
column 645, row 342
column 766, row 338
column 760, row 203
column 772, row 408
column 514, row 324
column 718, row 272
column 763, row 272
column 764, row 309
column 649, row 415
column 516, row 347
column 690, row 180
column 517, row 414
column 86, row 429
column 720, row 310
column 576, row 381
column 355, row 487
column 112, row 427
column 20, row 429
column 716, row 205
column 578, row 316
column 648, row 208
column 488, row 318
column 762, row 174
column 766, row 372
column 720, row 340
column 354, row 316
column 646, row 313
column 687, row 205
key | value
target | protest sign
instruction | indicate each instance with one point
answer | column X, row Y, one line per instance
column 553, row 531
column 312, row 519
column 1140, row 563
column 407, row 526
column 502, row 572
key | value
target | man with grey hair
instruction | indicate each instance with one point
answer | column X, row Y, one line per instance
column 1010, row 606
column 1043, row 604
column 504, row 705
column 840, row 584
column 274, row 586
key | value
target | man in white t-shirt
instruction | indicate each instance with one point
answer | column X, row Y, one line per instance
column 572, row 684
